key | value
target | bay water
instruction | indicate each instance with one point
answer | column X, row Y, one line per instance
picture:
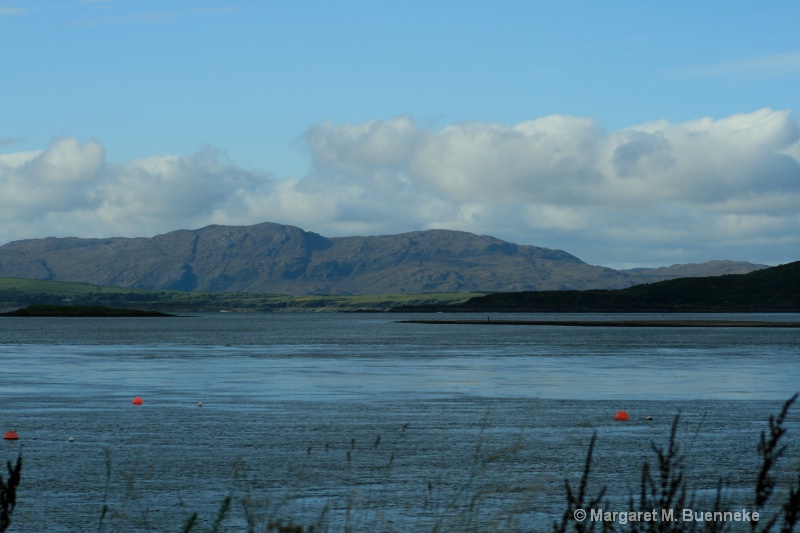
column 360, row 420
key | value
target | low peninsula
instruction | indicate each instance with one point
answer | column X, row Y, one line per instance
column 769, row 290
column 45, row 310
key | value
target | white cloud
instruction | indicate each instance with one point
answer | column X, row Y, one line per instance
column 70, row 189
column 704, row 161
column 693, row 191
column 358, row 150
column 772, row 66
column 11, row 11
column 60, row 178
column 549, row 159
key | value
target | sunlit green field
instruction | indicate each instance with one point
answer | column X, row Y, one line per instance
column 17, row 292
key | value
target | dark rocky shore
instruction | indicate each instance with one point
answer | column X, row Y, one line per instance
column 81, row 311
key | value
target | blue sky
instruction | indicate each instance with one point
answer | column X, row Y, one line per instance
column 626, row 133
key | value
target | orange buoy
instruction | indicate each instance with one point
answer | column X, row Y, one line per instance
column 10, row 435
column 621, row 415
column 138, row 401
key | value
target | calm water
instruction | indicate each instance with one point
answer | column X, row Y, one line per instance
column 371, row 422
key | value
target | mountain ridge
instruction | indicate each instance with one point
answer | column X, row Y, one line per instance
column 281, row 259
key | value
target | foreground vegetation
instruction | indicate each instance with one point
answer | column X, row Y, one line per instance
column 664, row 485
column 8, row 492
column 18, row 292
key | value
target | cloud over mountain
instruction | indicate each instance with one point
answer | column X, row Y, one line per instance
column 655, row 193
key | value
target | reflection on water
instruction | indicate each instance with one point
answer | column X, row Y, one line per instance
column 460, row 410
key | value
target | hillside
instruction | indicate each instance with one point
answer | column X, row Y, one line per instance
column 277, row 259
column 775, row 289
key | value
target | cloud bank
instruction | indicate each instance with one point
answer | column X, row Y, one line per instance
column 653, row 194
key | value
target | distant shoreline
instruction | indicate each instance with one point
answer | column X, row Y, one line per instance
column 617, row 323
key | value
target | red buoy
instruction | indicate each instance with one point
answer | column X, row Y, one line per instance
column 10, row 435
column 138, row 401
column 621, row 415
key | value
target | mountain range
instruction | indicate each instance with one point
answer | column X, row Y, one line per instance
column 278, row 259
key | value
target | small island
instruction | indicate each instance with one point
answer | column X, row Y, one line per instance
column 46, row 310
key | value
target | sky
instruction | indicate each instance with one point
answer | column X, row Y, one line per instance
column 626, row 133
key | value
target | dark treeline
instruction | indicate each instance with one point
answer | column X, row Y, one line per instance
column 775, row 289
